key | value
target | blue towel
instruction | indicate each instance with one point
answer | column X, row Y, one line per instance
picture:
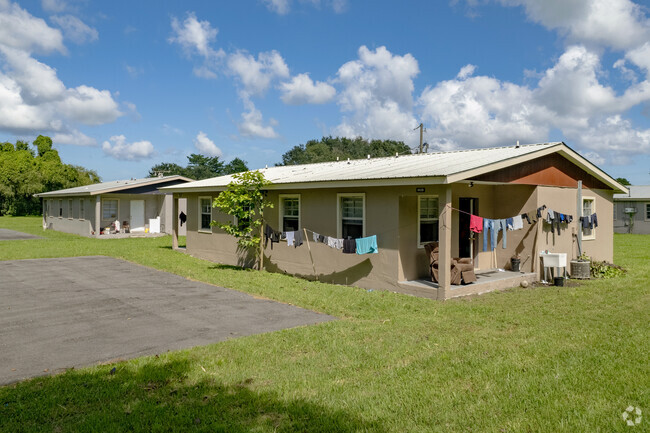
column 367, row 245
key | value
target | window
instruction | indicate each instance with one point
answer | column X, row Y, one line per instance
column 109, row 209
column 647, row 211
column 427, row 219
column 70, row 209
column 82, row 210
column 205, row 214
column 351, row 216
column 289, row 213
column 60, row 208
column 588, row 208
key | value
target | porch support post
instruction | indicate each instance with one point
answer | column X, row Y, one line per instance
column 444, row 270
column 174, row 222
column 98, row 214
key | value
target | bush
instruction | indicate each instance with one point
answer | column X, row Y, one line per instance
column 606, row 270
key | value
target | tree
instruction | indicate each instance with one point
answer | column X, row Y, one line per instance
column 244, row 200
column 329, row 148
column 200, row 167
column 623, row 181
column 24, row 173
column 235, row 166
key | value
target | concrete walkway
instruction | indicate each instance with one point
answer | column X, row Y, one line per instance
column 71, row 312
column 12, row 235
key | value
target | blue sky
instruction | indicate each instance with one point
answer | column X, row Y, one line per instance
column 121, row 86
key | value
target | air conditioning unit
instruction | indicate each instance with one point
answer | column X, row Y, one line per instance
column 630, row 210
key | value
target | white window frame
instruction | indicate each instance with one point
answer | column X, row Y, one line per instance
column 647, row 211
column 592, row 236
column 200, row 228
column 82, row 209
column 117, row 211
column 281, row 215
column 339, row 217
column 420, row 244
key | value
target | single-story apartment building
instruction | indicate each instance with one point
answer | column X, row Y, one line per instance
column 408, row 201
column 632, row 210
column 135, row 203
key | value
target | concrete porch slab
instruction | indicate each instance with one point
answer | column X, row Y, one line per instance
column 486, row 281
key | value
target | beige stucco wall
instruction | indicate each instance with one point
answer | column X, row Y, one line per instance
column 391, row 214
column 640, row 221
column 565, row 200
column 70, row 223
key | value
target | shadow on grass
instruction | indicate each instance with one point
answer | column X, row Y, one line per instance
column 162, row 396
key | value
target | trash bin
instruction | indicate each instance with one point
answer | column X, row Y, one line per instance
column 559, row 281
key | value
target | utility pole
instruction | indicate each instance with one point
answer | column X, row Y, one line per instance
column 421, row 127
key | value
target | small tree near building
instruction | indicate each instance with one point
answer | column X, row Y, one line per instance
column 245, row 200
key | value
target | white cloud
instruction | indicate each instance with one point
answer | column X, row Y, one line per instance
column 73, row 137
column 206, row 146
column 89, row 106
column 20, row 30
column 283, row 7
column 480, row 112
column 133, row 71
column 122, row 150
column 256, row 75
column 252, row 124
column 32, row 97
column 55, row 6
column 302, row 90
column 74, row 29
column 620, row 24
column 378, row 94
column 614, row 136
column 195, row 37
column 280, row 7
column 466, row 71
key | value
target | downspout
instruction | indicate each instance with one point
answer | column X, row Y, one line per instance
column 579, row 206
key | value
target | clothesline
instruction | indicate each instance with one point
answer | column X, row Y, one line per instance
column 365, row 245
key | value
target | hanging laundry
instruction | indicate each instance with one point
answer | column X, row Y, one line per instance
column 321, row 239
column 367, row 245
column 335, row 243
column 297, row 239
column 502, row 226
column 525, row 215
column 586, row 222
column 517, row 223
column 349, row 246
column 182, row 217
column 315, row 236
column 272, row 235
column 475, row 223
column 594, row 220
column 509, row 223
column 290, row 238
column 487, row 225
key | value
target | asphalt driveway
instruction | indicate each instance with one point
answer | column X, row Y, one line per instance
column 71, row 312
column 12, row 235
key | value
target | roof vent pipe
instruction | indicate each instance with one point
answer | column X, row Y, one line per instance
column 368, row 156
column 337, row 158
column 517, row 146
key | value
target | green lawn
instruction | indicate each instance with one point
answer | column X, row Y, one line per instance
column 525, row 360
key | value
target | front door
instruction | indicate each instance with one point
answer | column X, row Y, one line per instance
column 467, row 245
column 137, row 215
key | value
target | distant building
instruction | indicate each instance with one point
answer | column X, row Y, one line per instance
column 632, row 211
column 88, row 210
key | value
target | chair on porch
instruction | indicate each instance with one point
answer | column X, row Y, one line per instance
column 462, row 270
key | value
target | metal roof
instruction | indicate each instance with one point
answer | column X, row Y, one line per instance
column 426, row 165
column 637, row 192
column 113, row 186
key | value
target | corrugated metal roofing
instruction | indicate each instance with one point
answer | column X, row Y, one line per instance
column 113, row 186
column 403, row 166
column 637, row 192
